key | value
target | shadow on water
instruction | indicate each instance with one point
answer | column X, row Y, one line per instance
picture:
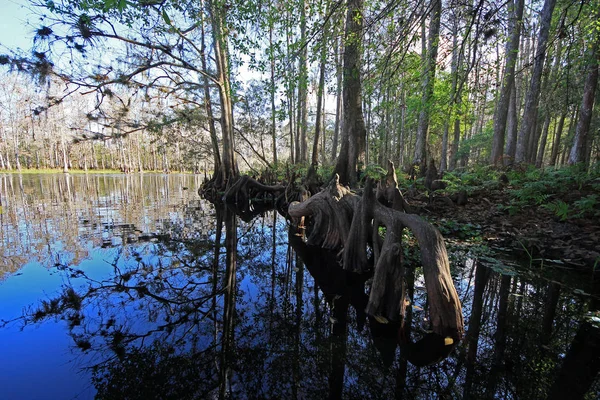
column 163, row 296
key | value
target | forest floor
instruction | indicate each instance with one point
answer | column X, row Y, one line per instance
column 548, row 221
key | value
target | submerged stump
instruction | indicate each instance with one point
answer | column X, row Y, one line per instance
column 342, row 220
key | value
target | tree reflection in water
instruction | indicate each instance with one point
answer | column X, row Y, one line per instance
column 198, row 304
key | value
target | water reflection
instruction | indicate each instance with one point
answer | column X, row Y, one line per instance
column 161, row 295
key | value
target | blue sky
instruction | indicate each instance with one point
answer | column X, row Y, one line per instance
column 17, row 25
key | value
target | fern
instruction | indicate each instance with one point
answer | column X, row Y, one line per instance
column 559, row 208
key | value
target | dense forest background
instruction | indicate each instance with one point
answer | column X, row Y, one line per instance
column 177, row 85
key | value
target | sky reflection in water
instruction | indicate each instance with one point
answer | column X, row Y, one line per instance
column 148, row 308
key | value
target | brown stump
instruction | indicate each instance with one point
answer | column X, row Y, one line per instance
column 341, row 220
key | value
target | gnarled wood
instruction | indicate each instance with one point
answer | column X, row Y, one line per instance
column 340, row 218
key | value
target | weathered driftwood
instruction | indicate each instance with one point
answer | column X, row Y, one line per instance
column 245, row 188
column 388, row 191
column 332, row 211
column 343, row 220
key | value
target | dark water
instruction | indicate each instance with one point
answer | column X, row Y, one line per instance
column 132, row 287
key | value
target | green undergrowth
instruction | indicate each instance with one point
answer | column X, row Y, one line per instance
column 568, row 193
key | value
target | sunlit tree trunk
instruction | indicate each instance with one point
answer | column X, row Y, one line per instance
column 531, row 102
column 207, row 101
column 301, row 122
column 229, row 168
column 273, row 88
column 512, row 48
column 454, row 100
column 542, row 147
column 354, row 131
column 320, row 92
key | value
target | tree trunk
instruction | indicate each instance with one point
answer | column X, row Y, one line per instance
column 427, row 82
column 557, row 136
column 354, row 131
column 301, row 123
column 229, row 168
column 531, row 102
column 320, row 91
column 273, row 88
column 512, row 126
column 339, row 100
column 208, row 103
column 512, row 49
column 542, row 147
column 580, row 142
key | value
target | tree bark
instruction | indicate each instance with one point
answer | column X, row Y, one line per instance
column 512, row 49
column 427, row 82
column 229, row 167
column 354, row 131
column 320, row 91
column 531, row 102
column 301, row 123
column 557, row 136
column 580, row 142
column 272, row 90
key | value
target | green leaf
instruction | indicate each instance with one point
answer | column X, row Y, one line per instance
column 166, row 17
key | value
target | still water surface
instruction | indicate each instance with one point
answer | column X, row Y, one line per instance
column 115, row 286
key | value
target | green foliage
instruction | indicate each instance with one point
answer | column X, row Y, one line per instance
column 554, row 190
column 559, row 208
column 451, row 228
column 476, row 178
column 480, row 144
column 374, row 171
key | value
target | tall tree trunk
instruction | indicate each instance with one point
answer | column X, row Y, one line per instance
column 512, row 48
column 208, row 103
column 452, row 109
column 580, row 142
column 542, row 147
column 290, row 91
column 338, row 94
column 229, row 168
column 531, row 102
column 354, row 131
column 320, row 92
column 301, row 123
column 428, row 81
column 273, row 88
column 557, row 136
column 512, row 126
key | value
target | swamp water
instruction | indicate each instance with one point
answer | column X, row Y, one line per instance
column 133, row 287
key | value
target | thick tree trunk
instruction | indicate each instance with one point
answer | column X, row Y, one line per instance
column 354, row 131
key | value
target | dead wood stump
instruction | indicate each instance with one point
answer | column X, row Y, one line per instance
column 342, row 220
